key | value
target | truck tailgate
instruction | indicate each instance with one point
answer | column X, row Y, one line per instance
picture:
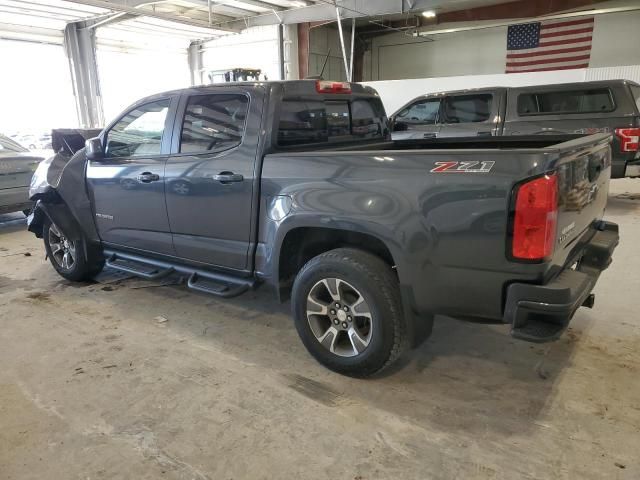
column 583, row 170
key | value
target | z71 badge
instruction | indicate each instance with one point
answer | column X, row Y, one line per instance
column 463, row 167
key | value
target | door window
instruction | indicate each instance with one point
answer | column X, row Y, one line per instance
column 590, row 100
column 424, row 112
column 213, row 123
column 139, row 132
column 467, row 108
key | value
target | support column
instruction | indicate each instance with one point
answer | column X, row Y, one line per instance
column 281, row 51
column 80, row 48
column 195, row 64
column 303, row 50
column 291, row 52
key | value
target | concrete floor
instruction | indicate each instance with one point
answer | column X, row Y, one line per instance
column 93, row 386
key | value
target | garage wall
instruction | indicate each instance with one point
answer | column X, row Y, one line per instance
column 615, row 42
column 325, row 40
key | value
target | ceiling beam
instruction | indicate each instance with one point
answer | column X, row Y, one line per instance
column 133, row 7
column 514, row 9
column 261, row 4
column 325, row 10
column 236, row 12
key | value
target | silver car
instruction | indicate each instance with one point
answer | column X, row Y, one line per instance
column 16, row 168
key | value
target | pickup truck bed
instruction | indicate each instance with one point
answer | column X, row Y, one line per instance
column 369, row 237
column 446, row 231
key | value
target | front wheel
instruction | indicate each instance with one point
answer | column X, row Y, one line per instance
column 348, row 313
column 68, row 256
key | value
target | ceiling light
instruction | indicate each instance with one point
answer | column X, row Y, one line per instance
column 429, row 14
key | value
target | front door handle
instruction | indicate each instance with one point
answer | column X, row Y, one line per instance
column 148, row 177
column 228, row 177
column 429, row 135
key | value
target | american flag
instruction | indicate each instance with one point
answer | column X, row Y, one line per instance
column 549, row 45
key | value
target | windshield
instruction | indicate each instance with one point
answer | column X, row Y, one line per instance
column 8, row 144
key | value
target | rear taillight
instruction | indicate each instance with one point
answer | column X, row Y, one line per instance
column 325, row 86
column 536, row 215
column 629, row 139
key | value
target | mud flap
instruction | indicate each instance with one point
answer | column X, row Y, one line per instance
column 419, row 327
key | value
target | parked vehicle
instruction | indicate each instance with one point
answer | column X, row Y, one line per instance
column 583, row 108
column 298, row 185
column 16, row 168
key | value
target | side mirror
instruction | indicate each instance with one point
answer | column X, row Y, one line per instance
column 93, row 149
column 399, row 126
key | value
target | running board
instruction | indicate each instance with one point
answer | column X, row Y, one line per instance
column 213, row 283
column 215, row 287
column 140, row 269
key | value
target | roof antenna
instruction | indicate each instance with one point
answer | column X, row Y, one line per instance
column 324, row 65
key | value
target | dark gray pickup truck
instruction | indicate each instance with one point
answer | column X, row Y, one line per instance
column 298, row 185
column 607, row 106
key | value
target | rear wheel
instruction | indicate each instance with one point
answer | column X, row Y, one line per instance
column 68, row 256
column 348, row 313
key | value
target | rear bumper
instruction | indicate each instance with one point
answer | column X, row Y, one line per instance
column 540, row 313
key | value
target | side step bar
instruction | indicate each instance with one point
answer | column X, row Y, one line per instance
column 149, row 272
column 213, row 283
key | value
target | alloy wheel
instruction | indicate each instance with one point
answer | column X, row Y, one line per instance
column 63, row 250
column 339, row 317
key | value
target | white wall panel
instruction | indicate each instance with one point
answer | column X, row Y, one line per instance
column 629, row 72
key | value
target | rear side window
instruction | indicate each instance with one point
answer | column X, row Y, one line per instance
column 636, row 95
column 424, row 112
column 590, row 100
column 213, row 123
column 467, row 108
column 305, row 122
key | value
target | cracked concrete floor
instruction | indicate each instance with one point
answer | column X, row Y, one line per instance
column 93, row 386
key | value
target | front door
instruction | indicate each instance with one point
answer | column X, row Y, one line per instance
column 210, row 177
column 418, row 120
column 127, row 185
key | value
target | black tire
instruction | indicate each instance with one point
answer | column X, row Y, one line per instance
column 81, row 269
column 377, row 284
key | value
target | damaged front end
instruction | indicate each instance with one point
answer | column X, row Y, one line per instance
column 58, row 187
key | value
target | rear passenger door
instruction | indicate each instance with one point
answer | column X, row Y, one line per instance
column 417, row 120
column 210, row 176
column 469, row 115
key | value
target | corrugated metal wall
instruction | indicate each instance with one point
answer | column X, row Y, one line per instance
column 628, row 72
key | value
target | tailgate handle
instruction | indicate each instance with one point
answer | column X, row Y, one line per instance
column 595, row 167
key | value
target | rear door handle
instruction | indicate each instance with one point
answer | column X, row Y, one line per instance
column 228, row 177
column 148, row 177
column 429, row 135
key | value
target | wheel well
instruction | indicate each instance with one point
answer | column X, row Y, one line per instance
column 302, row 244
